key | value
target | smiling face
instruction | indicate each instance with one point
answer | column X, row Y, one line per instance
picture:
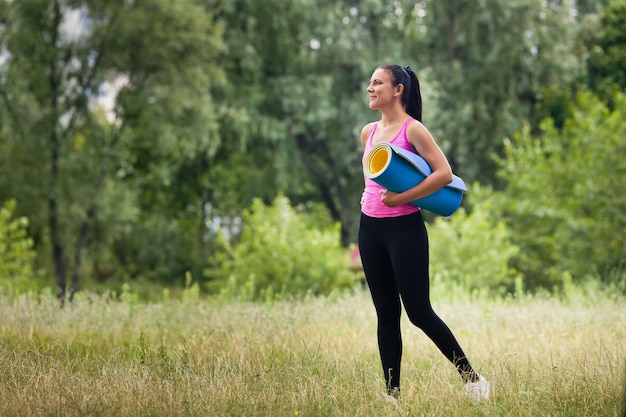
column 381, row 90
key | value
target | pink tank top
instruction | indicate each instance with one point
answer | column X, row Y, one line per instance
column 372, row 206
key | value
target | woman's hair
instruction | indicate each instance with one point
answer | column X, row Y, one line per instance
column 411, row 96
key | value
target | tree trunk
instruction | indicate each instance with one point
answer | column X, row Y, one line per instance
column 91, row 212
column 58, row 251
column 80, row 244
column 329, row 186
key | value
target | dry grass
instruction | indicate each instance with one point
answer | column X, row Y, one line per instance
column 543, row 356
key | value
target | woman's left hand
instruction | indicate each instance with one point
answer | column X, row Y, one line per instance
column 389, row 198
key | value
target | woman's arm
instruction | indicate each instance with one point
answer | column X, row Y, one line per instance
column 441, row 175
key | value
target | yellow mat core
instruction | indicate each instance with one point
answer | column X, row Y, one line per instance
column 378, row 160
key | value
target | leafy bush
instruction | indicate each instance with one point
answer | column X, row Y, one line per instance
column 474, row 250
column 565, row 200
column 16, row 252
column 280, row 253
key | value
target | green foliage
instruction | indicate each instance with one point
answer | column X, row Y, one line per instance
column 280, row 253
column 490, row 60
column 90, row 176
column 191, row 293
column 301, row 78
column 606, row 64
column 16, row 252
column 211, row 104
column 474, row 249
column 564, row 200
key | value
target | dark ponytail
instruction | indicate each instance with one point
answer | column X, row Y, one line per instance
column 411, row 96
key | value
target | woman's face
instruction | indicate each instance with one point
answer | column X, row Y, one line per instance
column 381, row 90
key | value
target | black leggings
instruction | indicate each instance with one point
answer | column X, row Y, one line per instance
column 394, row 253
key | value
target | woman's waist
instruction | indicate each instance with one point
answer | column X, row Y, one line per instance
column 372, row 205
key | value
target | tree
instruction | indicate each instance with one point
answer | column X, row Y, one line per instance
column 491, row 60
column 302, row 75
column 346, row 42
column 155, row 59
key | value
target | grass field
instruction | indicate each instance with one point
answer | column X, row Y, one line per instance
column 99, row 357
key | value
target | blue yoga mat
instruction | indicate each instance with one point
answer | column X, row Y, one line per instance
column 398, row 170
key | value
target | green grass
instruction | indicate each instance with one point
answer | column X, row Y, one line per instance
column 318, row 357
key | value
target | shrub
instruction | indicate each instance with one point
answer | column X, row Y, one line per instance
column 280, row 253
column 16, row 252
column 475, row 249
column 564, row 199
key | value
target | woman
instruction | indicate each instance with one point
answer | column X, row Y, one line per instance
column 392, row 235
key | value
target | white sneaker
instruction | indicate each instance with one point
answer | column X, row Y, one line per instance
column 391, row 399
column 393, row 396
column 478, row 390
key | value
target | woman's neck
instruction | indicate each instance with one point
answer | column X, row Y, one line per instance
column 393, row 114
column 393, row 118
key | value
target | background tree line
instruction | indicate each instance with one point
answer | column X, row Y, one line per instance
column 134, row 134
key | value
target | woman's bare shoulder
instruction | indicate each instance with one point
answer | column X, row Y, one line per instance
column 417, row 133
column 368, row 128
column 365, row 132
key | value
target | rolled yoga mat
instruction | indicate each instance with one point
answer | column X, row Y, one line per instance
column 397, row 170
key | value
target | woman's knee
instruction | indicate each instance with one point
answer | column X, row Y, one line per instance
column 421, row 317
column 389, row 314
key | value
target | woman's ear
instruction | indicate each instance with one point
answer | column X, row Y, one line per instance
column 399, row 90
